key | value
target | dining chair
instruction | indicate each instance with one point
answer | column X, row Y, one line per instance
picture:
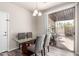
column 46, row 43
column 38, row 46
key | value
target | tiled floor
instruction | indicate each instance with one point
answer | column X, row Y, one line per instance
column 16, row 52
column 59, row 52
column 65, row 42
column 53, row 52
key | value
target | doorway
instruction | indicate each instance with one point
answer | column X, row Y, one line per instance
column 66, row 34
column 3, row 31
column 62, row 25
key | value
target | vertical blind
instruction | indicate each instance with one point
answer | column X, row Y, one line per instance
column 66, row 14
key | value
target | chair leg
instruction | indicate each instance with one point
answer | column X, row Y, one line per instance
column 44, row 52
column 48, row 48
column 19, row 46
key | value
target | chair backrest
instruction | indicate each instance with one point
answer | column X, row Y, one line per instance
column 29, row 34
column 47, row 40
column 39, row 43
column 21, row 36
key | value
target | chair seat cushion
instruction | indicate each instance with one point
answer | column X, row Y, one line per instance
column 31, row 48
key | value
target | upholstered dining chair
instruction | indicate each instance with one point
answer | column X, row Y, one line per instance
column 38, row 46
column 46, row 43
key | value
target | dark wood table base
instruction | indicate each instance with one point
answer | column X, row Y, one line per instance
column 24, row 50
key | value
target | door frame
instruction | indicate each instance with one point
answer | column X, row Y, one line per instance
column 8, row 32
column 75, row 22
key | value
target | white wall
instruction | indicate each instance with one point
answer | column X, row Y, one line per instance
column 21, row 20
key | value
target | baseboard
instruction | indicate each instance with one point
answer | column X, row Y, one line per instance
column 13, row 49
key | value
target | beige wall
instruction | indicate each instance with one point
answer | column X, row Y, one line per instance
column 41, row 26
column 21, row 20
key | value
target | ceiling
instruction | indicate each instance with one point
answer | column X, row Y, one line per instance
column 40, row 5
